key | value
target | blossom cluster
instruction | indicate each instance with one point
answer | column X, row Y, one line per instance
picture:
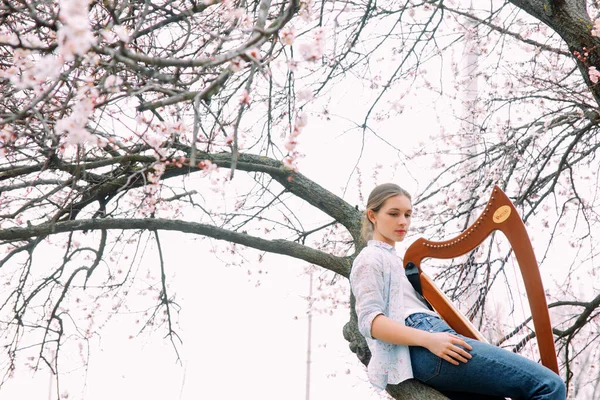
column 596, row 29
column 29, row 73
column 73, row 128
column 7, row 137
column 292, row 141
column 313, row 50
column 75, row 37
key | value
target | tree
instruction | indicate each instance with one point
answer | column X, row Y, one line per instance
column 119, row 117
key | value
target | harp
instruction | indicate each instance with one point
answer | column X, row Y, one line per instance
column 499, row 214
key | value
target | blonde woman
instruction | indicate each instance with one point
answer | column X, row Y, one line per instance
column 409, row 340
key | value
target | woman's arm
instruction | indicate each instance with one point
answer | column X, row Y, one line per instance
column 444, row 345
column 366, row 279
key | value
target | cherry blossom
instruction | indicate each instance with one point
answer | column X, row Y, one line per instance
column 288, row 36
column 312, row 50
column 245, row 98
column 594, row 74
column 122, row 33
column 112, row 83
column 74, row 127
column 75, row 37
column 596, row 29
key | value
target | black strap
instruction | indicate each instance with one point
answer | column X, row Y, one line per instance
column 412, row 273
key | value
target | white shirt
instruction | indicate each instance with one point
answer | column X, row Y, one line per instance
column 380, row 286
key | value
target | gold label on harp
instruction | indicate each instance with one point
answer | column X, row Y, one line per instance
column 501, row 214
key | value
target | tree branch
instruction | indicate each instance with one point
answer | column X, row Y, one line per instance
column 339, row 265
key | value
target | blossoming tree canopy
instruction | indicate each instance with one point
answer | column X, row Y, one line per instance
column 119, row 120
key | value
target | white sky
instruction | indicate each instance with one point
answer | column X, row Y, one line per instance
column 239, row 340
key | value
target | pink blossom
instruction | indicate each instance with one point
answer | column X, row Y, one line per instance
column 9, row 38
column 75, row 134
column 596, row 29
column 28, row 72
column 245, row 98
column 122, row 33
column 253, row 53
column 305, row 10
column 73, row 127
column 594, row 74
column 314, row 49
column 75, row 36
column 301, row 120
column 154, row 140
column 7, row 135
column 108, row 35
column 158, row 169
column 207, row 165
column 304, row 94
column 290, row 144
column 287, row 36
column 73, row 43
column 237, row 14
column 112, row 83
column 290, row 162
column 237, row 64
column 292, row 65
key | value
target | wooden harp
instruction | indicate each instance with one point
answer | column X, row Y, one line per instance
column 499, row 214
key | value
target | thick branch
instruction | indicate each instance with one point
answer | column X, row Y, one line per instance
column 340, row 265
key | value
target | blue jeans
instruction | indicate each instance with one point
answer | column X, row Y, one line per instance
column 491, row 371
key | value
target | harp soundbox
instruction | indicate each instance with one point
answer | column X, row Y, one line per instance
column 499, row 214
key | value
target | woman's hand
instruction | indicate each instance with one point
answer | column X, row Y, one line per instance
column 449, row 347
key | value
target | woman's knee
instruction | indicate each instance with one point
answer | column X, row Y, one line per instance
column 555, row 388
column 559, row 388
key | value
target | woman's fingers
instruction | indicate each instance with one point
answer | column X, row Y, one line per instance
column 460, row 355
column 458, row 352
column 461, row 342
column 449, row 347
column 451, row 360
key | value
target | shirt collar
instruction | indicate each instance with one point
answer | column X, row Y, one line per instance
column 383, row 245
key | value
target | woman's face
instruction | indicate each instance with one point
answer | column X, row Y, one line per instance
column 391, row 222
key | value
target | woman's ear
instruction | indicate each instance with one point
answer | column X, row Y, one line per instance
column 371, row 216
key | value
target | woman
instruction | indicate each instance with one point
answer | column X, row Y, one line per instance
column 408, row 340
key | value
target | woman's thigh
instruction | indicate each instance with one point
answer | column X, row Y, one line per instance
column 491, row 370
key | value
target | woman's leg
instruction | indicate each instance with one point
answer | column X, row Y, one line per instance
column 491, row 370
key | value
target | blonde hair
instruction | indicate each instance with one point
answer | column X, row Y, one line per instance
column 376, row 200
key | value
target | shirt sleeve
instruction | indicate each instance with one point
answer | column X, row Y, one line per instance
column 366, row 280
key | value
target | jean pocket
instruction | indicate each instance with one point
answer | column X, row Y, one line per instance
column 439, row 325
column 425, row 364
column 422, row 322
